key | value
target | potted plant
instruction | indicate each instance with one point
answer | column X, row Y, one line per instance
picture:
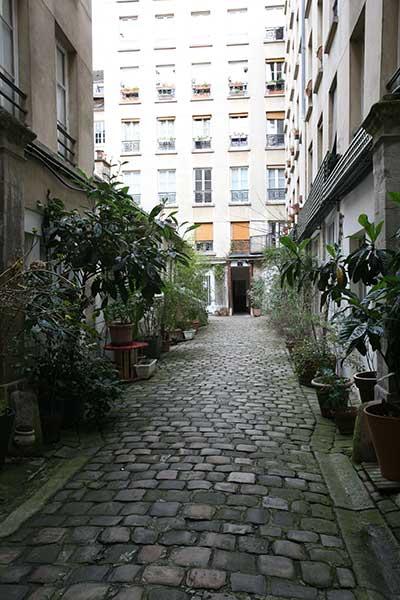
column 310, row 357
column 151, row 328
column 366, row 382
column 119, row 320
column 188, row 331
column 256, row 296
column 333, row 397
column 145, row 367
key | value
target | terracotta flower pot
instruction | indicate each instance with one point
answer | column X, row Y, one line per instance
column 346, row 419
column 365, row 382
column 256, row 312
column 323, row 391
column 385, row 434
column 121, row 334
column 196, row 325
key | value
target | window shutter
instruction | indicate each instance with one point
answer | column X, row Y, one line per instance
column 240, row 230
column 204, row 232
column 275, row 115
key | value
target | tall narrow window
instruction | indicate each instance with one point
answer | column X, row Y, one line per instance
column 275, row 18
column 130, row 143
column 310, row 167
column 239, row 136
column 167, row 186
column 237, row 24
column 274, row 81
column 202, row 132
column 202, row 186
column 275, row 130
column 65, row 143
column 130, row 84
column 204, row 235
column 239, row 184
column 132, row 180
column 99, row 133
column 166, row 134
column 200, row 25
column 275, row 184
column 238, row 78
column 165, row 82
column 201, row 80
column 320, row 148
column 357, row 57
column 128, row 28
column 8, row 99
column 333, row 117
column 165, row 30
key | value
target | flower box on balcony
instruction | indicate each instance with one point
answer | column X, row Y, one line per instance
column 129, row 94
column 201, row 89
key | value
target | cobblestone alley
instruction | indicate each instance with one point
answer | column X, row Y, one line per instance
column 206, row 488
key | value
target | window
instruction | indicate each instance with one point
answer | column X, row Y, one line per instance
column 202, row 186
column 200, row 25
column 275, row 84
column 275, row 184
column 333, row 117
column 166, row 134
column 99, row 133
column 275, row 130
column 240, row 237
column 204, row 236
column 239, row 184
column 237, row 24
column 357, row 58
column 62, row 85
column 128, row 28
column 201, row 80
column 202, row 132
column 275, row 232
column 275, row 18
column 8, row 59
column 320, row 141
column 238, row 78
column 165, row 30
column 238, row 125
column 130, row 137
column 208, row 288
column 129, row 84
column 167, row 186
column 309, row 167
column 165, row 82
column 132, row 180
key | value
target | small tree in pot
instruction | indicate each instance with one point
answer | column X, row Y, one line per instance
column 333, row 394
column 256, row 296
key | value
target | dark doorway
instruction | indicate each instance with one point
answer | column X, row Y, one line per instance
column 240, row 287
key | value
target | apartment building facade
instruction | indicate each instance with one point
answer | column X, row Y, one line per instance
column 46, row 122
column 342, row 118
column 189, row 101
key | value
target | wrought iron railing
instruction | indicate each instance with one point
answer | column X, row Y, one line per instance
column 130, row 146
column 165, row 92
column 167, row 197
column 275, row 140
column 238, row 141
column 205, row 246
column 240, row 247
column 201, row 90
column 203, row 144
column 65, row 144
column 259, row 243
column 12, row 99
column 274, row 194
column 239, row 196
column 166, row 145
column 202, row 196
column 238, row 88
column 275, row 86
column 274, row 34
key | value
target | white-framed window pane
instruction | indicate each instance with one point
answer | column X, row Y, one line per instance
column 61, row 105
column 6, row 49
column 130, row 130
column 99, row 132
column 132, row 179
column 128, row 27
column 6, row 11
column 238, row 124
column 166, row 128
column 61, row 67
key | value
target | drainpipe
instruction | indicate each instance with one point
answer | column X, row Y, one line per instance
column 303, row 57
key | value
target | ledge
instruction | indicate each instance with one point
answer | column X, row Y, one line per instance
column 203, row 151
column 239, row 204
column 202, row 100
column 163, row 154
column 203, row 205
column 239, row 149
column 238, row 97
column 165, row 101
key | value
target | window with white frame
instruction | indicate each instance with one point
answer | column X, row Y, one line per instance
column 275, row 232
column 99, row 133
column 202, row 186
column 130, row 85
column 166, row 134
column 167, row 186
column 201, row 80
column 62, row 86
column 237, row 23
column 239, row 184
column 165, row 25
column 238, row 127
column 202, row 132
column 276, row 184
column 129, row 28
column 8, row 59
column 130, row 136
column 275, row 131
column 165, row 82
column 132, row 180
column 238, row 78
column 275, row 23
column 200, row 24
column 274, row 79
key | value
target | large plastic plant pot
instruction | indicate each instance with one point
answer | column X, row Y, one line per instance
column 365, row 382
column 121, row 334
column 385, row 434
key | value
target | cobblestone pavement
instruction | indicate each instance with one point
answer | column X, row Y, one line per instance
column 205, row 489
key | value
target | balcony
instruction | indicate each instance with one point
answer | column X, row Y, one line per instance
column 275, row 87
column 201, row 90
column 202, row 143
column 129, row 94
column 167, row 198
column 166, row 145
column 65, row 144
column 205, row 246
column 130, row 146
column 260, row 243
column 276, row 194
column 239, row 140
column 275, row 140
column 240, row 247
column 274, row 34
column 12, row 99
column 203, row 197
column 165, row 92
column 239, row 196
column 237, row 89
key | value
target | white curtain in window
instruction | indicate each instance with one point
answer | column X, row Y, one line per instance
column 130, row 131
column 238, row 124
column 165, row 75
column 238, row 71
column 201, row 73
column 132, row 180
column 166, row 128
column 276, row 178
column 129, row 77
column 275, row 16
column 167, row 181
column 239, row 178
column 128, row 27
column 202, row 127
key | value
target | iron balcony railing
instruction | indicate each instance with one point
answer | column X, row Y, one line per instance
column 130, row 146
column 166, row 145
column 165, row 92
column 238, row 88
column 129, row 94
column 205, row 246
column 12, row 99
column 202, row 196
column 274, row 34
column 167, row 197
column 275, row 194
column 275, row 86
column 239, row 141
column 275, row 140
column 240, row 247
column 259, row 243
column 203, row 144
column 239, row 196
column 65, row 144
column 202, row 90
